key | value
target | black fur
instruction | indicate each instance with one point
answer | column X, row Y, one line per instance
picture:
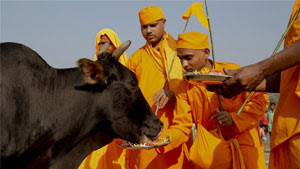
column 50, row 118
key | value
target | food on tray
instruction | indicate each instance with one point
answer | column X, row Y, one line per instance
column 204, row 71
column 215, row 72
column 149, row 144
column 207, row 76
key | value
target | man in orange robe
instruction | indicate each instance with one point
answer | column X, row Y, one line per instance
column 285, row 138
column 224, row 139
column 151, row 64
column 278, row 73
column 110, row 156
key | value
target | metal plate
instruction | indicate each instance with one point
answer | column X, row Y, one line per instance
column 207, row 77
column 128, row 145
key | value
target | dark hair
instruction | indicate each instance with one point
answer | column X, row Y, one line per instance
column 272, row 104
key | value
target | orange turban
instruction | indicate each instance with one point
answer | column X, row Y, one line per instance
column 150, row 14
column 193, row 40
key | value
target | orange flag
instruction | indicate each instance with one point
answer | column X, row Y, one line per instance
column 197, row 10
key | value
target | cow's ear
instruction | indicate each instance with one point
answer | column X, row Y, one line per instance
column 92, row 71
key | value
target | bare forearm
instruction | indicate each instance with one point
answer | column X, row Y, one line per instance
column 262, row 76
column 271, row 84
column 283, row 60
column 261, row 87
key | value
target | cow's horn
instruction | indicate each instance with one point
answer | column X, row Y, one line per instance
column 104, row 47
column 121, row 49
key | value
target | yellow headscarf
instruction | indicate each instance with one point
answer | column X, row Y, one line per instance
column 193, row 40
column 150, row 14
column 115, row 41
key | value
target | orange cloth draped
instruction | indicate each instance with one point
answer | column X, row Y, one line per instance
column 110, row 156
column 114, row 38
column 209, row 149
column 285, row 140
column 151, row 67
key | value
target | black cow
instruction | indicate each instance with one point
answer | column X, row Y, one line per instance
column 53, row 118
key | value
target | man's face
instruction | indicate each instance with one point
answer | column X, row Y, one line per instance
column 153, row 31
column 193, row 59
column 105, row 39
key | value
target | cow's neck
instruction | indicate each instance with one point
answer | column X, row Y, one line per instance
column 73, row 158
column 79, row 123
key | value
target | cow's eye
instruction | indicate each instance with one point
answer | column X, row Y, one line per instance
column 134, row 90
column 134, row 83
column 101, row 57
column 93, row 75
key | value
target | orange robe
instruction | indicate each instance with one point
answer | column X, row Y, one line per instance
column 110, row 156
column 285, row 139
column 150, row 67
column 242, row 145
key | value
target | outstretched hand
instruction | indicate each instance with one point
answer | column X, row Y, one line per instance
column 243, row 79
column 162, row 97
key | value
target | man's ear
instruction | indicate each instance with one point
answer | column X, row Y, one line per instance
column 92, row 71
column 206, row 53
column 164, row 22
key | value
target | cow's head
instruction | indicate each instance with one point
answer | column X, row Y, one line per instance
column 120, row 99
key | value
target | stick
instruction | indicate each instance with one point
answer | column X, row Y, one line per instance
column 212, row 48
column 274, row 52
column 169, row 72
column 168, row 76
column 210, row 34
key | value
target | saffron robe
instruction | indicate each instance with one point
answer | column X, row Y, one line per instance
column 237, row 146
column 151, row 67
column 285, row 139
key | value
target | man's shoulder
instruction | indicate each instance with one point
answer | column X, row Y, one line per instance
column 138, row 56
column 228, row 65
column 140, row 51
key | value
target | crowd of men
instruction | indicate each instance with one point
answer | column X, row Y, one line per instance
column 223, row 139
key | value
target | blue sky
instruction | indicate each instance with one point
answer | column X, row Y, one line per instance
column 244, row 31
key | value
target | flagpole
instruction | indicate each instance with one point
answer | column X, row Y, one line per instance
column 274, row 52
column 210, row 34
column 212, row 47
column 186, row 23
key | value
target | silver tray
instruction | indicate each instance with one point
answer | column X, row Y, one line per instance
column 207, row 77
column 128, row 145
